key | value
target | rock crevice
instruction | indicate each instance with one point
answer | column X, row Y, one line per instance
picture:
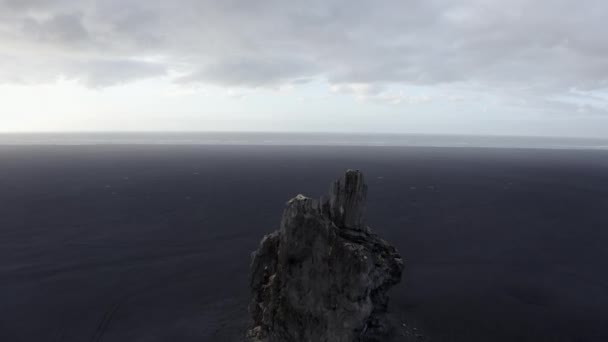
column 323, row 276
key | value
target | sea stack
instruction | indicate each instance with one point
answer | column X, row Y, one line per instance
column 323, row 276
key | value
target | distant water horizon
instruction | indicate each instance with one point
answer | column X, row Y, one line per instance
column 300, row 139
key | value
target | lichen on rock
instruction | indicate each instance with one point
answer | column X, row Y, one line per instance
column 323, row 276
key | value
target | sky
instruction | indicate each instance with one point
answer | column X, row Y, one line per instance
column 489, row 67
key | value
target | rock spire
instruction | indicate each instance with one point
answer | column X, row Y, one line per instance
column 323, row 276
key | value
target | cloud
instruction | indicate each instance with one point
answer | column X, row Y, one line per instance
column 253, row 72
column 103, row 73
column 540, row 48
column 62, row 29
column 361, row 90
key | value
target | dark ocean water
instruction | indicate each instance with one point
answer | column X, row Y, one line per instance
column 299, row 139
column 153, row 242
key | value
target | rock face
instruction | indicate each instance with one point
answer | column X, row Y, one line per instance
column 323, row 276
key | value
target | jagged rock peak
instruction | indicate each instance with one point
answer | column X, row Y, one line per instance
column 323, row 276
column 346, row 200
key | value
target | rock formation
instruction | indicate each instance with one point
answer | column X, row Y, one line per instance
column 323, row 276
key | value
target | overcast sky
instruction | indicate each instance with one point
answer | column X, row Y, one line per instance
column 535, row 67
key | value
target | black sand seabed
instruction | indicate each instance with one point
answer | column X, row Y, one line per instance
column 153, row 243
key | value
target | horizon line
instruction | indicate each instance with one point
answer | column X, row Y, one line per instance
column 354, row 133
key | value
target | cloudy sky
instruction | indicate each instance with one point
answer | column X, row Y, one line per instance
column 535, row 67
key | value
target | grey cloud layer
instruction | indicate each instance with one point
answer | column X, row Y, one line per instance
column 543, row 45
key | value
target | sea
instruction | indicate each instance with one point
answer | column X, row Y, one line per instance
column 299, row 139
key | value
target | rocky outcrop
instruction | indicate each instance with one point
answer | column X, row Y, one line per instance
column 323, row 276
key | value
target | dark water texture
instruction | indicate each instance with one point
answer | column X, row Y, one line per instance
column 153, row 243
